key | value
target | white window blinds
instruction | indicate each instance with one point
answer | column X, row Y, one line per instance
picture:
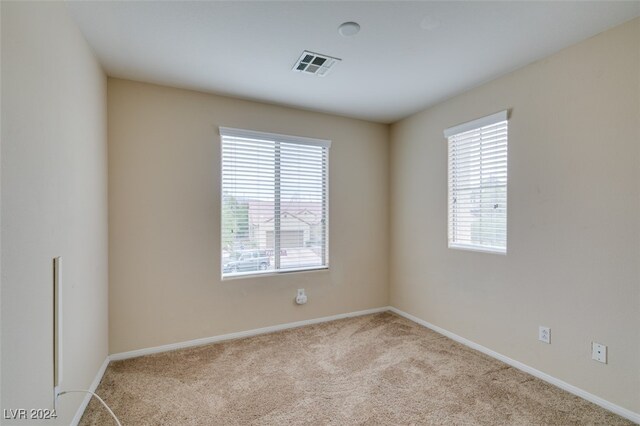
column 478, row 184
column 274, row 203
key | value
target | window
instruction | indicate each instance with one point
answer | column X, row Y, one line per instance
column 478, row 184
column 274, row 203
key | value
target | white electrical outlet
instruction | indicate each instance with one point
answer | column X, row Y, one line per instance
column 544, row 334
column 301, row 297
column 599, row 352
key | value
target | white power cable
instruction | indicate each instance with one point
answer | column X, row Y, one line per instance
column 99, row 399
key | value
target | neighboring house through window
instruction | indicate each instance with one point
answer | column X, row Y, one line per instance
column 274, row 203
column 478, row 184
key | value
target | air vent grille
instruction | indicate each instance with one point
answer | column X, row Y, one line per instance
column 315, row 63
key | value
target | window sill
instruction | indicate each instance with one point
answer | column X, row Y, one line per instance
column 239, row 276
column 489, row 250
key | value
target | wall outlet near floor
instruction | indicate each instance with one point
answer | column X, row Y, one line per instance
column 544, row 334
column 301, row 298
column 599, row 352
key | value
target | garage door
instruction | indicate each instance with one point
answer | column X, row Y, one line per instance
column 288, row 239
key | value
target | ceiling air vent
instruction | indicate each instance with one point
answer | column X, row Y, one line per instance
column 314, row 63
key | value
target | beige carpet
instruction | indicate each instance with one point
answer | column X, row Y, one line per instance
column 376, row 369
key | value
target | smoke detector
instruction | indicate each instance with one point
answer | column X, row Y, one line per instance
column 349, row 29
column 315, row 63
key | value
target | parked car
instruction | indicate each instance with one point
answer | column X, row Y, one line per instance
column 247, row 260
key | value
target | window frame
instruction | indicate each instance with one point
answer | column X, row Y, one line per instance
column 278, row 138
column 477, row 125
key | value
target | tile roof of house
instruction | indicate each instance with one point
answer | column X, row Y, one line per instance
column 262, row 211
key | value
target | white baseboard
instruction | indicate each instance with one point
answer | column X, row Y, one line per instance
column 92, row 388
column 621, row 411
column 240, row 334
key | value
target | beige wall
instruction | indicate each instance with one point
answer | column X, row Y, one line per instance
column 1, row 274
column 54, row 203
column 164, row 218
column 573, row 260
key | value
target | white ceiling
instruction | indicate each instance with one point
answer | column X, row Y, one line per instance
column 407, row 56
